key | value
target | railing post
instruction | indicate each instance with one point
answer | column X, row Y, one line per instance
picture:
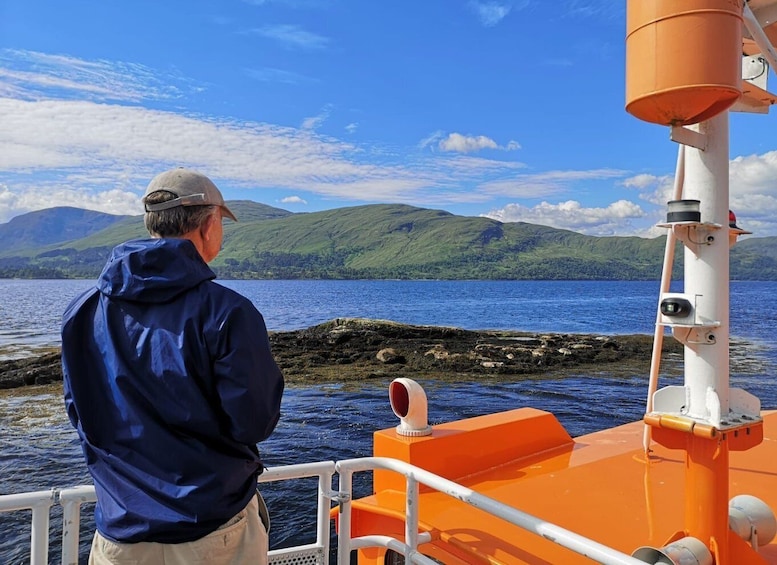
column 71, row 527
column 344, row 509
column 411, row 514
column 71, row 500
column 323, row 529
column 39, row 538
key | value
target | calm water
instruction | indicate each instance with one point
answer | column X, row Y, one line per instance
column 30, row 310
column 38, row 450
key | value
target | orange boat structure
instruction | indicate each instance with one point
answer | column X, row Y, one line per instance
column 695, row 483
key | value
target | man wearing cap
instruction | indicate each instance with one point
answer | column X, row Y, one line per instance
column 170, row 384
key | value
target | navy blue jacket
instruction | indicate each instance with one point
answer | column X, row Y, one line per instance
column 170, row 383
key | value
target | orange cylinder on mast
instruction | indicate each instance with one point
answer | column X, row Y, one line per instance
column 683, row 59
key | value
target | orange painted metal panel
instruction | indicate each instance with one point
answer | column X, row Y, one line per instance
column 465, row 447
column 683, row 59
column 602, row 487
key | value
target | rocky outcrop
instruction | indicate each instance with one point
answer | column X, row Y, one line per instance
column 351, row 349
column 41, row 370
column 348, row 349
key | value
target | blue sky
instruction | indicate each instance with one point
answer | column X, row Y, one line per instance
column 510, row 109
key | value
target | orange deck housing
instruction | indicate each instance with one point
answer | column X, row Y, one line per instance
column 600, row 485
column 459, row 449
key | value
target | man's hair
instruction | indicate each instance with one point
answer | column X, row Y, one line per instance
column 176, row 221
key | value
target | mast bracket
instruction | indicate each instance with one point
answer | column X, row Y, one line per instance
column 685, row 136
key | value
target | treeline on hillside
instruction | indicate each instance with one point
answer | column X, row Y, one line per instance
column 293, row 266
column 268, row 265
column 57, row 264
column 71, row 263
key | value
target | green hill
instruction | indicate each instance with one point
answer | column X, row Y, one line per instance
column 398, row 241
column 754, row 258
column 390, row 241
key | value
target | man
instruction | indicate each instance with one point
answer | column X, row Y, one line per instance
column 170, row 383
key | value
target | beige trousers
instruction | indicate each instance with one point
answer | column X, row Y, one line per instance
column 242, row 540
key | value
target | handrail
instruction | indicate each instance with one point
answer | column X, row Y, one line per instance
column 556, row 534
column 324, row 470
column 40, row 502
column 71, row 499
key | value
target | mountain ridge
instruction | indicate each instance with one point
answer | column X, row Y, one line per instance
column 362, row 242
column 53, row 225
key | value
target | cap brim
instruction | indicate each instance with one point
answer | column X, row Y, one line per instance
column 228, row 213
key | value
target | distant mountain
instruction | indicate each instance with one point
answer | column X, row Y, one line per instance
column 389, row 241
column 52, row 225
column 249, row 211
column 754, row 258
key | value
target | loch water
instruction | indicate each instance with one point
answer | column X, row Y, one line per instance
column 39, row 450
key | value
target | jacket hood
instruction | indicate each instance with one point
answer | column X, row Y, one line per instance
column 153, row 270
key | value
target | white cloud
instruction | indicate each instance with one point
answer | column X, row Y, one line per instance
column 458, row 143
column 65, row 140
column 292, row 36
column 352, row 127
column 545, row 184
column 656, row 190
column 314, row 122
column 431, row 140
column 490, row 13
column 641, row 181
column 45, row 195
column 752, row 191
column 31, row 75
column 754, row 174
column 293, row 200
column 64, row 135
column 83, row 148
column 466, row 144
column 571, row 215
column 477, row 168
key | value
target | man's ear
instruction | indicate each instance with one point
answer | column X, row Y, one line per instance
column 207, row 227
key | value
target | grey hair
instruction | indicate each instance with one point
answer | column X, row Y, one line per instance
column 174, row 222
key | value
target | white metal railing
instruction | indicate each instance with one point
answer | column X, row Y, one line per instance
column 40, row 502
column 415, row 475
column 317, row 553
column 71, row 500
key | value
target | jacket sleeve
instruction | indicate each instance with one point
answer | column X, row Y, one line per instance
column 248, row 381
column 73, row 357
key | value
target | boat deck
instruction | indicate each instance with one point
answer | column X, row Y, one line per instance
column 600, row 486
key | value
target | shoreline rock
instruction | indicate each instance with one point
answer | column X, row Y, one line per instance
column 354, row 349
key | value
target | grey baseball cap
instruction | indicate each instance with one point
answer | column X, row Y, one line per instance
column 191, row 189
